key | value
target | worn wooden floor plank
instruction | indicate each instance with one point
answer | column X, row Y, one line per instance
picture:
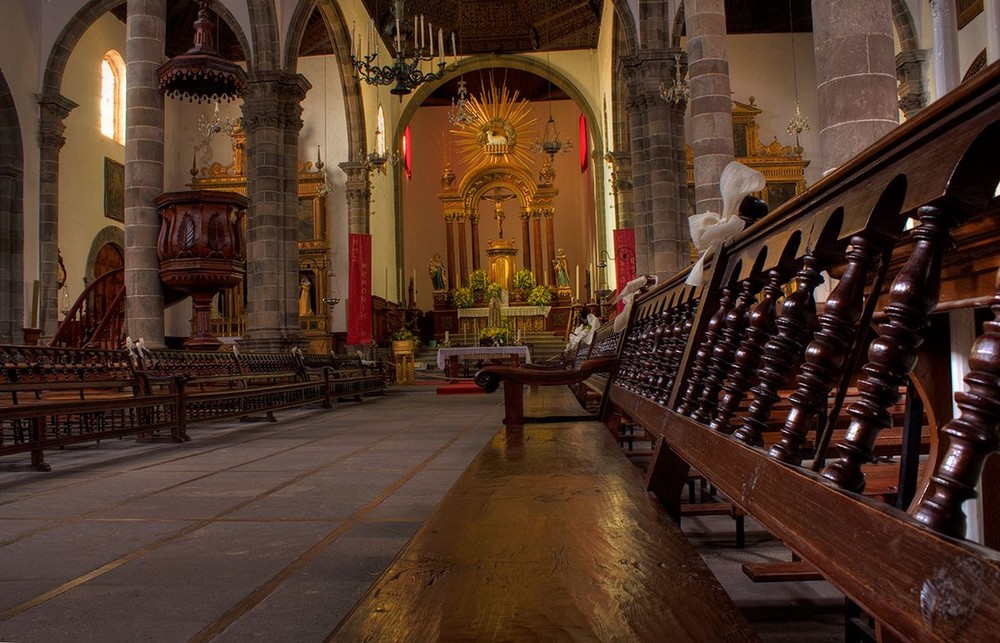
column 547, row 535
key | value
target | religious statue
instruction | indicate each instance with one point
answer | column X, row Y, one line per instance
column 498, row 212
column 438, row 277
column 561, row 269
column 305, row 296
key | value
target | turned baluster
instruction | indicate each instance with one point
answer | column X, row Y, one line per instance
column 627, row 360
column 826, row 354
column 971, row 437
column 664, row 352
column 721, row 361
column 699, row 369
column 760, row 328
column 783, row 351
column 685, row 320
column 893, row 354
column 660, row 340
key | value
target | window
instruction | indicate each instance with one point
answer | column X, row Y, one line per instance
column 113, row 96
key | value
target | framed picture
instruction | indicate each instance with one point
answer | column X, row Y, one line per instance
column 114, row 190
column 967, row 10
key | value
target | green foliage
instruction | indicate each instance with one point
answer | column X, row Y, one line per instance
column 540, row 296
column 495, row 334
column 403, row 335
column 462, row 298
column 493, row 291
column 478, row 281
column 524, row 280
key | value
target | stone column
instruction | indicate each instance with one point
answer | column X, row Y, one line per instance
column 711, row 103
column 944, row 59
column 652, row 199
column 526, row 236
column 474, row 231
column 144, row 53
column 357, row 192
column 854, row 57
column 11, row 247
column 53, row 110
column 992, row 31
column 272, row 116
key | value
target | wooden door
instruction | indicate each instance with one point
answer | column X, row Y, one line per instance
column 109, row 258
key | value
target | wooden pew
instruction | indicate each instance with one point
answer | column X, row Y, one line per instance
column 547, row 536
column 347, row 376
column 907, row 567
column 51, row 397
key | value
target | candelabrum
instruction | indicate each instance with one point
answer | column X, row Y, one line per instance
column 797, row 125
column 679, row 92
column 406, row 71
column 459, row 111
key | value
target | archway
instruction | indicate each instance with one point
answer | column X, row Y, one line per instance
column 11, row 219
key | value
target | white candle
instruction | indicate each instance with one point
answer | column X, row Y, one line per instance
column 441, row 44
column 590, row 277
column 446, row 337
column 414, row 281
column 354, row 29
column 578, row 282
column 416, row 32
column 430, row 32
column 454, row 52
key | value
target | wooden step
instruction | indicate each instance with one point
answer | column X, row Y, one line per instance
column 779, row 572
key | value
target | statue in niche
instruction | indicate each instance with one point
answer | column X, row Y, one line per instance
column 439, row 279
column 561, row 269
column 305, row 296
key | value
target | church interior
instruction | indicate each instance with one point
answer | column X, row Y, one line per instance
column 771, row 221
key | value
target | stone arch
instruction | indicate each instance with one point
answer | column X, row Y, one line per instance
column 906, row 29
column 336, row 26
column 11, row 218
column 678, row 29
column 264, row 28
column 64, row 44
column 623, row 12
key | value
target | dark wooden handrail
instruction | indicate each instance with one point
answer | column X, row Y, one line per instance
column 79, row 329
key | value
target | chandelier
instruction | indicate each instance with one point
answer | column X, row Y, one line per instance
column 405, row 72
column 200, row 73
column 459, row 111
column 679, row 92
column 550, row 143
column 218, row 124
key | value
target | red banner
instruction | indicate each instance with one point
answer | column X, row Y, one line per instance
column 624, row 258
column 359, row 289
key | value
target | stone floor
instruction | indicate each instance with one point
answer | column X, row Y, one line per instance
column 271, row 531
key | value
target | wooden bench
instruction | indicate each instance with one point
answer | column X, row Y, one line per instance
column 348, row 376
column 216, row 386
column 547, row 536
column 51, row 397
column 753, row 327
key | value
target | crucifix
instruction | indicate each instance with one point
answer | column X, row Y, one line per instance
column 499, row 196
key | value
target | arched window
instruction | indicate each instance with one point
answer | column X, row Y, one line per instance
column 113, row 96
column 380, row 132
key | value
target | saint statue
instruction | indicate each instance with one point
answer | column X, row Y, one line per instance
column 305, row 296
column 561, row 269
column 439, row 279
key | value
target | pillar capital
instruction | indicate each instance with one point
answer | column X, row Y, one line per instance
column 274, row 99
column 53, row 109
column 910, row 76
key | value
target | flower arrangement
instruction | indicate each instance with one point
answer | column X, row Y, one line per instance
column 540, row 296
column 478, row 281
column 462, row 298
column 403, row 335
column 494, row 291
column 496, row 335
column 524, row 280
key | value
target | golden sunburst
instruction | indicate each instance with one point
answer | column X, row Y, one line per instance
column 496, row 130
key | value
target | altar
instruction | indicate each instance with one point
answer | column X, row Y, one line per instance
column 450, row 357
column 521, row 319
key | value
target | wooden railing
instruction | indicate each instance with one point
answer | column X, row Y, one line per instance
column 86, row 327
column 715, row 370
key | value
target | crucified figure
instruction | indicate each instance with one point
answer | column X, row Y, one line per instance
column 499, row 196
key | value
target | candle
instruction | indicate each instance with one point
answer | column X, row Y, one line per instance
column 441, row 44
column 416, row 32
column 590, row 279
column 578, row 282
column 414, row 281
column 454, row 52
column 446, row 337
column 354, row 28
column 430, row 33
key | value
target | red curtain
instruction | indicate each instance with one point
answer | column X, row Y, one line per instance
column 624, row 258
column 359, row 297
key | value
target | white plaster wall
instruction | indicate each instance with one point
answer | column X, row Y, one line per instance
column 20, row 65
column 81, row 162
column 605, row 87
